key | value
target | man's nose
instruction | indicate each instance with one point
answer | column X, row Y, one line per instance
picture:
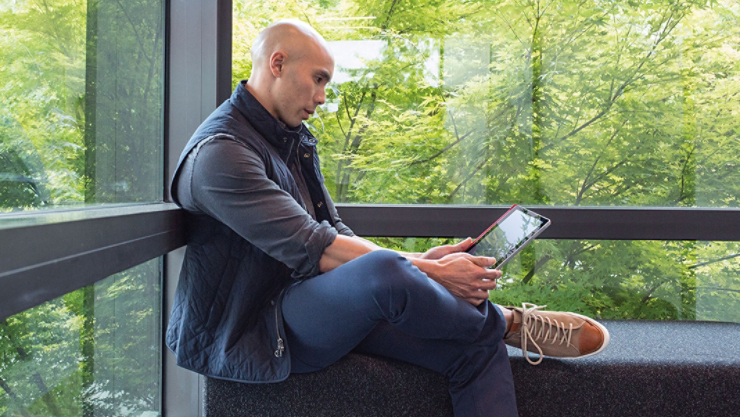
column 320, row 97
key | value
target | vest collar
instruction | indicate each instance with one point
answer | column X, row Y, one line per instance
column 283, row 138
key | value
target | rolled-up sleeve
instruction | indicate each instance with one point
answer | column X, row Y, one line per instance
column 230, row 183
column 342, row 228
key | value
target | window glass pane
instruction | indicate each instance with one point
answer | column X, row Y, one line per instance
column 652, row 280
column 558, row 103
column 93, row 352
column 81, row 102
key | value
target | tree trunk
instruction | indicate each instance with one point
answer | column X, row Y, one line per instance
column 87, row 348
column 91, row 74
column 537, row 194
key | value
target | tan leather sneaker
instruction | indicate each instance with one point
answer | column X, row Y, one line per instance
column 554, row 333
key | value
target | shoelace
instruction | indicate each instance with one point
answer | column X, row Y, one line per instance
column 546, row 326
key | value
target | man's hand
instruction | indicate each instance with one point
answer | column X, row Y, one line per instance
column 440, row 252
column 464, row 275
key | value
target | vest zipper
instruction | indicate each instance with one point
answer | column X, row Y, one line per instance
column 300, row 172
column 280, row 344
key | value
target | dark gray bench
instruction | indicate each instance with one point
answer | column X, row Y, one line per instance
column 650, row 369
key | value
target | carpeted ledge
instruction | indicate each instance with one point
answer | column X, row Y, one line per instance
column 650, row 369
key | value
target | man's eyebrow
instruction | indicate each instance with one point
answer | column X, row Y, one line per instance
column 324, row 73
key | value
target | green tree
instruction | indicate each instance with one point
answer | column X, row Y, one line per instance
column 574, row 103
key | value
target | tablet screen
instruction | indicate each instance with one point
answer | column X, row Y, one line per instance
column 509, row 234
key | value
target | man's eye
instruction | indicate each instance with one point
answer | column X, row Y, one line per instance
column 318, row 80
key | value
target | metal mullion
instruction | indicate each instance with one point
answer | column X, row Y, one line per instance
column 599, row 223
column 224, row 40
column 47, row 260
column 198, row 78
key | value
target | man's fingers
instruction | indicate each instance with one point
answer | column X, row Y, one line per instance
column 474, row 301
column 463, row 245
column 483, row 261
column 456, row 255
column 486, row 285
column 477, row 297
column 479, row 292
column 493, row 274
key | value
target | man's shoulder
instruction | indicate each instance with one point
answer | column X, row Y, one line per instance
column 228, row 120
column 225, row 149
column 228, row 123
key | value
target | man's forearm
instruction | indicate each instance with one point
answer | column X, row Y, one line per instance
column 462, row 274
column 347, row 248
column 343, row 250
column 429, row 267
column 408, row 255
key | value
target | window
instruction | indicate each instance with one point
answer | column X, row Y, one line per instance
column 542, row 103
column 561, row 103
column 93, row 352
column 81, row 103
column 81, row 125
column 613, row 279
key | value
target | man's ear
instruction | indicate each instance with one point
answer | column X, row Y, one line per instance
column 277, row 60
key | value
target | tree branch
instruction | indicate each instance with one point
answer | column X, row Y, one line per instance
column 475, row 171
column 715, row 289
column 585, row 187
column 12, row 395
column 540, row 262
column 724, row 258
column 681, row 195
column 388, row 16
column 445, row 149
column 613, row 97
column 35, row 377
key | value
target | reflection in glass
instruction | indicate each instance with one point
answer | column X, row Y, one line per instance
column 507, row 236
column 81, row 102
column 566, row 103
column 93, row 352
column 651, row 280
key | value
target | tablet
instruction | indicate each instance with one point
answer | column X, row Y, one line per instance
column 509, row 234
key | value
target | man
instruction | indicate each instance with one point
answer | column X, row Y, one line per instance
column 273, row 282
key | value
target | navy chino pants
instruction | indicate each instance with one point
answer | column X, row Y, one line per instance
column 381, row 304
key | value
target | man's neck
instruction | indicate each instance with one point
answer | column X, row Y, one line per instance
column 255, row 91
column 254, row 88
column 259, row 93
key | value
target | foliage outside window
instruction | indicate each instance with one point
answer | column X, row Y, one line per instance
column 93, row 352
column 567, row 103
column 81, row 123
column 81, row 102
column 608, row 279
column 536, row 102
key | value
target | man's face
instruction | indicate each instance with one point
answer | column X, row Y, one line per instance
column 301, row 86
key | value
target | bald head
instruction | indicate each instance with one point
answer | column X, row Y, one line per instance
column 293, row 37
column 291, row 65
